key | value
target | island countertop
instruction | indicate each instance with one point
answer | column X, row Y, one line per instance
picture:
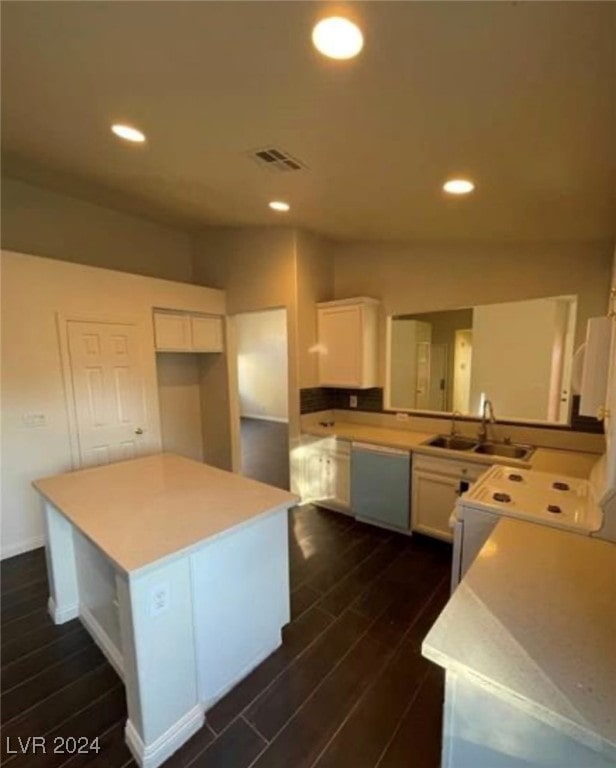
column 141, row 511
column 534, row 622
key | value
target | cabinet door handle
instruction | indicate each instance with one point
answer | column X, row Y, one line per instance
column 138, row 431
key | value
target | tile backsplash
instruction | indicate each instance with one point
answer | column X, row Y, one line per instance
column 315, row 399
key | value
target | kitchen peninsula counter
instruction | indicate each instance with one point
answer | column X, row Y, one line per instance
column 527, row 641
column 180, row 573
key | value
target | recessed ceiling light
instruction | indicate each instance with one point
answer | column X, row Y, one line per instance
column 337, row 38
column 458, row 186
column 128, row 133
column 279, row 205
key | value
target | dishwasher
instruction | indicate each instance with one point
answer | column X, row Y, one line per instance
column 380, row 485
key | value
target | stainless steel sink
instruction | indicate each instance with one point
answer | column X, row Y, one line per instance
column 459, row 443
column 453, row 443
column 506, row 450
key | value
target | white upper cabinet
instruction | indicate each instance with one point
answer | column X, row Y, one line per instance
column 206, row 333
column 187, row 332
column 347, row 332
column 172, row 331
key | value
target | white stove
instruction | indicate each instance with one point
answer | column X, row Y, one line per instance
column 538, row 497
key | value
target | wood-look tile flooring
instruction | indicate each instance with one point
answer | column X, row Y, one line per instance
column 348, row 688
column 265, row 451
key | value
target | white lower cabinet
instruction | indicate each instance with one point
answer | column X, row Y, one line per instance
column 436, row 485
column 325, row 472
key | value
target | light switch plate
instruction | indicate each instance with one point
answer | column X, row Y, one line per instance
column 34, row 420
column 353, row 401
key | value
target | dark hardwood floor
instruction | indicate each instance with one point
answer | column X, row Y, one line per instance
column 348, row 688
column 265, row 451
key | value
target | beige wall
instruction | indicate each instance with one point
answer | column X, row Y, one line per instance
column 36, row 220
column 264, row 268
column 416, row 278
column 263, row 365
column 315, row 282
column 34, row 291
column 179, row 400
column 256, row 266
column 216, row 426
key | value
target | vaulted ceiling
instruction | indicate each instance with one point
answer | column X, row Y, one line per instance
column 520, row 97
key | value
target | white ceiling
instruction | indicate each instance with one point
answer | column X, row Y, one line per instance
column 521, row 97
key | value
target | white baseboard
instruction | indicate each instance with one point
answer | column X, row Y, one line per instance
column 101, row 638
column 262, row 417
column 23, row 546
column 152, row 755
column 62, row 615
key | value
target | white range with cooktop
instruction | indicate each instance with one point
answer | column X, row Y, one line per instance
column 537, row 497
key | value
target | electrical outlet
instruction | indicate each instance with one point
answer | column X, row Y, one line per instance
column 159, row 599
column 353, row 401
column 402, row 417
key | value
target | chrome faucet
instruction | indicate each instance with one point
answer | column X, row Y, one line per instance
column 454, row 416
column 486, row 414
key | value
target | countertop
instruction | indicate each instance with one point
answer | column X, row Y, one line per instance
column 141, row 511
column 391, row 438
column 534, row 622
column 558, row 461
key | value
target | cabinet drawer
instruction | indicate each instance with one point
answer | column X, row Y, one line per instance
column 449, row 467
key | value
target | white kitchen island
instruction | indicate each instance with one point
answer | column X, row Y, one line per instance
column 180, row 573
column 528, row 643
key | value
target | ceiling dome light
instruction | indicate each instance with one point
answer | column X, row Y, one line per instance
column 337, row 38
column 458, row 186
column 279, row 205
column 128, row 133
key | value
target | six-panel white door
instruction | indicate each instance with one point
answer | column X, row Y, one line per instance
column 108, row 391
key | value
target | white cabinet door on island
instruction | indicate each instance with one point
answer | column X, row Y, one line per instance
column 180, row 573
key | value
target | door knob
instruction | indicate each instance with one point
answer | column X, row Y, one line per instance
column 138, row 431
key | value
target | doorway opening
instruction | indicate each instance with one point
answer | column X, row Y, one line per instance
column 263, row 394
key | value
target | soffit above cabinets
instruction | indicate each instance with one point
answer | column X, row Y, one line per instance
column 517, row 96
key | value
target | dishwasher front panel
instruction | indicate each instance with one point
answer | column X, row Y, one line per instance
column 380, row 485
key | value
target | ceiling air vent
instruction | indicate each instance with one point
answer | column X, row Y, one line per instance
column 276, row 159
